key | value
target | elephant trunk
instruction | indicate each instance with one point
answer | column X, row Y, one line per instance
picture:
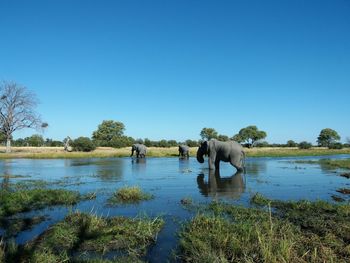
column 200, row 158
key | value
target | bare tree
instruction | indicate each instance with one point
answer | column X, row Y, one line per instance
column 17, row 110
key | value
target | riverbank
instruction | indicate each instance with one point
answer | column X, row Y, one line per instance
column 104, row 152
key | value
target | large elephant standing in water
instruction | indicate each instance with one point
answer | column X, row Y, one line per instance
column 184, row 151
column 140, row 149
column 217, row 151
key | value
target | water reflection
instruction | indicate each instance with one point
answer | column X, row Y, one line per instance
column 255, row 167
column 112, row 171
column 217, row 186
column 138, row 165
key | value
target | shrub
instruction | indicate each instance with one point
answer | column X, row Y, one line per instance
column 336, row 145
column 83, row 144
column 291, row 143
column 304, row 145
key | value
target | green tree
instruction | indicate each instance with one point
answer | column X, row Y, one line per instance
column 83, row 144
column 304, row 145
column 291, row 143
column 191, row 143
column 223, row 138
column 327, row 137
column 208, row 133
column 35, row 140
column 250, row 135
column 107, row 131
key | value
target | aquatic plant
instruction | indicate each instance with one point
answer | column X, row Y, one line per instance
column 129, row 194
column 274, row 231
column 26, row 200
column 80, row 234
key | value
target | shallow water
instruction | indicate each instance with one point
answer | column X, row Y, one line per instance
column 170, row 180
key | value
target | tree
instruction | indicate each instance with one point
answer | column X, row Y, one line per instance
column 304, row 145
column 208, row 133
column 106, row 132
column 17, row 110
column 35, row 140
column 291, row 143
column 327, row 137
column 250, row 135
column 83, row 144
column 223, row 138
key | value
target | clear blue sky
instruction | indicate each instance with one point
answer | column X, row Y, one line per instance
column 166, row 69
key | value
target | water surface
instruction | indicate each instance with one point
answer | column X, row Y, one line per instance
column 170, row 180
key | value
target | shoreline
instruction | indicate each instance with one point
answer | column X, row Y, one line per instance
column 108, row 152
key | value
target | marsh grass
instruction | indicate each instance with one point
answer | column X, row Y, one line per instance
column 80, row 233
column 26, row 200
column 104, row 152
column 274, row 231
column 129, row 195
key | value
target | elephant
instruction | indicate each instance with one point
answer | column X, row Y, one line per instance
column 184, row 151
column 140, row 149
column 217, row 151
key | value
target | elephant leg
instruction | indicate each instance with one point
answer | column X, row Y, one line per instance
column 211, row 164
column 236, row 161
column 217, row 164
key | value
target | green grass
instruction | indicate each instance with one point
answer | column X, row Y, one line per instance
column 274, row 231
column 129, row 195
column 80, row 234
column 26, row 200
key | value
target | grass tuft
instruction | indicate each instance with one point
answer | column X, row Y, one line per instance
column 129, row 195
column 79, row 234
column 274, row 231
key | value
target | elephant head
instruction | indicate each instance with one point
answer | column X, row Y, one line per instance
column 203, row 149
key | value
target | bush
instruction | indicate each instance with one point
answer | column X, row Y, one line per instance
column 83, row 144
column 304, row 145
column 336, row 145
column 291, row 143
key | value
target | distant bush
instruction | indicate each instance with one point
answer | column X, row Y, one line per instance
column 83, row 144
column 304, row 145
column 261, row 144
column 336, row 145
column 121, row 141
column 192, row 143
column 291, row 143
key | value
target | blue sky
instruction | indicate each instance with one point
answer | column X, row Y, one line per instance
column 166, row 69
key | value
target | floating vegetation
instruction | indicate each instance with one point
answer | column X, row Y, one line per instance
column 345, row 191
column 274, row 231
column 80, row 234
column 26, row 200
column 129, row 195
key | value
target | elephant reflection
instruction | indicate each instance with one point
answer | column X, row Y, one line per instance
column 217, row 186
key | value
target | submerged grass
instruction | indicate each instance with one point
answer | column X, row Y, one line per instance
column 103, row 152
column 79, row 233
column 26, row 200
column 129, row 195
column 274, row 231
column 14, row 226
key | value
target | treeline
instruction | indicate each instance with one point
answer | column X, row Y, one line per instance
column 111, row 134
